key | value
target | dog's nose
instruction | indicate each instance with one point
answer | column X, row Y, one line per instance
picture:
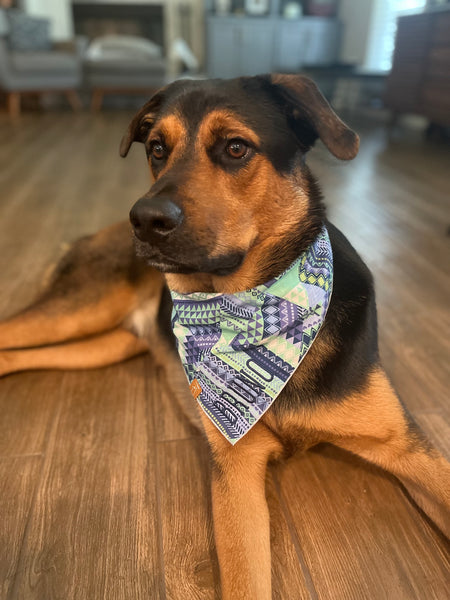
column 154, row 218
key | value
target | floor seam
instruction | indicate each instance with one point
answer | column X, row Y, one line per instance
column 290, row 523
column 49, row 437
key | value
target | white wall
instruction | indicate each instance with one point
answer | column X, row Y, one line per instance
column 58, row 11
column 356, row 18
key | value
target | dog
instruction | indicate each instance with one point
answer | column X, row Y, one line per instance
column 232, row 206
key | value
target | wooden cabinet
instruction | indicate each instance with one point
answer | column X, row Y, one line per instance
column 289, row 47
column 255, row 43
column 250, row 46
column 221, row 54
column 239, row 47
column 419, row 81
column 309, row 42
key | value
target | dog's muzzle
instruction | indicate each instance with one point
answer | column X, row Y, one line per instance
column 164, row 240
column 154, row 219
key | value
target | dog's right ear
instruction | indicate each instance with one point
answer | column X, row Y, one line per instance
column 141, row 124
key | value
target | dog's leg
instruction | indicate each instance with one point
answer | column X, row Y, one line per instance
column 240, row 512
column 53, row 319
column 96, row 285
column 97, row 351
column 375, row 426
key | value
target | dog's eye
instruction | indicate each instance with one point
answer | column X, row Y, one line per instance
column 157, row 150
column 236, row 148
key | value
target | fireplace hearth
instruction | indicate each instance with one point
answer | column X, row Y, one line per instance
column 95, row 19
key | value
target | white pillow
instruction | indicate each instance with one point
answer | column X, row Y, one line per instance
column 122, row 47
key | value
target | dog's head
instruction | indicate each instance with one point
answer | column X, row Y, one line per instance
column 231, row 192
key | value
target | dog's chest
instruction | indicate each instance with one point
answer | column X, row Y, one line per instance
column 292, row 431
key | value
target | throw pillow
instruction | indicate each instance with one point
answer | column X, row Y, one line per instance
column 28, row 33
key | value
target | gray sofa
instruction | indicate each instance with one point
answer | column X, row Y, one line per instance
column 38, row 71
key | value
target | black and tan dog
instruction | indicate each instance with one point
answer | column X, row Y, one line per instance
column 232, row 205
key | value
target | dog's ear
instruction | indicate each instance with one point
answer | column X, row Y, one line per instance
column 141, row 124
column 311, row 116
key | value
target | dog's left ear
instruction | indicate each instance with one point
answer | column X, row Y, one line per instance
column 304, row 102
column 141, row 124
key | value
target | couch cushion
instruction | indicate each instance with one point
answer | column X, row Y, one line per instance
column 123, row 47
column 28, row 33
column 43, row 62
column 123, row 67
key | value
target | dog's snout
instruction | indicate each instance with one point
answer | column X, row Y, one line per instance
column 153, row 218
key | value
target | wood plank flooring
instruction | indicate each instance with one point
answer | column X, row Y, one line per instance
column 104, row 486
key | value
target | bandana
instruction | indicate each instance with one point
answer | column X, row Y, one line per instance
column 239, row 350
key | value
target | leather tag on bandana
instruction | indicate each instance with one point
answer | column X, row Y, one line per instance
column 195, row 388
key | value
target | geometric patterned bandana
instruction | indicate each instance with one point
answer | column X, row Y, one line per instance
column 239, row 350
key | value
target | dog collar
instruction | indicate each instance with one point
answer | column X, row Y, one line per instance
column 239, row 350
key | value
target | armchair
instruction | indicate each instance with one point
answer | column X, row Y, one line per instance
column 46, row 70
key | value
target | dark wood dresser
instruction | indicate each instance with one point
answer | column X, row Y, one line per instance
column 419, row 81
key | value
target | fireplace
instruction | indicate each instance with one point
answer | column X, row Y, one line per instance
column 95, row 19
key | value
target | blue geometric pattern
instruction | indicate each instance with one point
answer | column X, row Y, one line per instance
column 239, row 350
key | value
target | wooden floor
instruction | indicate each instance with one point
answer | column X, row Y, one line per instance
column 104, row 490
